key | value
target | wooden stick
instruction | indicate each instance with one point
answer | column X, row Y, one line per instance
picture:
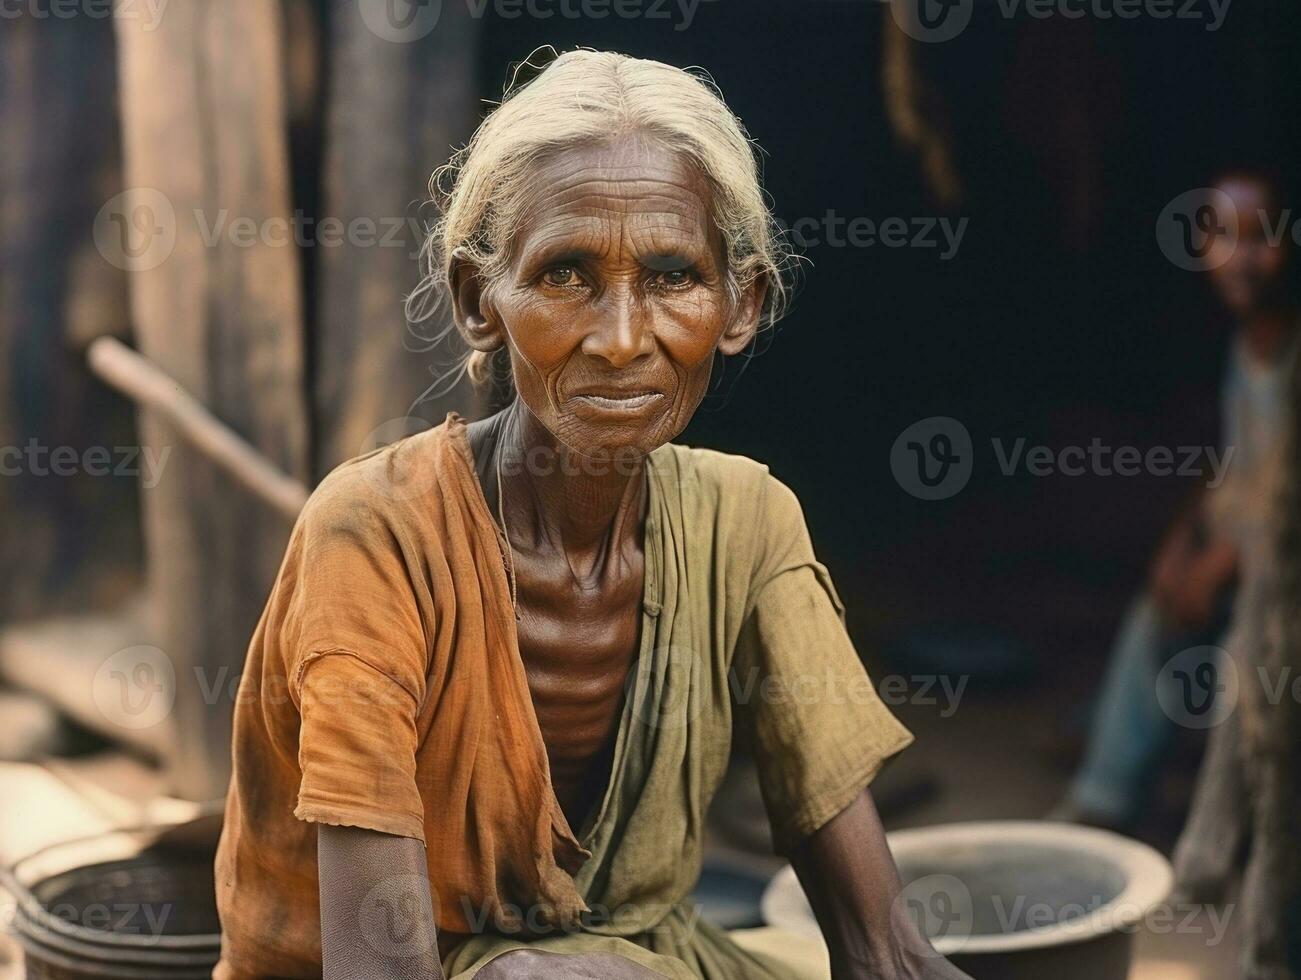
column 150, row 387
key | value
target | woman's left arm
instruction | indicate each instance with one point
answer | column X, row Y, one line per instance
column 851, row 881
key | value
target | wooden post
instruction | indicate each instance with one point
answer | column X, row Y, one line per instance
column 1250, row 785
column 67, row 540
column 141, row 380
column 216, row 301
column 399, row 96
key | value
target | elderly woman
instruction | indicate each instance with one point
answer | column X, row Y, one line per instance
column 494, row 688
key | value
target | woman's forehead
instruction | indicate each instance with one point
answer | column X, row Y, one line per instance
column 633, row 179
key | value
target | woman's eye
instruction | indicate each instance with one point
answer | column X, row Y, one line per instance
column 561, row 275
column 675, row 279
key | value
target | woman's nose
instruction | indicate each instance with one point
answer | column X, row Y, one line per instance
column 621, row 330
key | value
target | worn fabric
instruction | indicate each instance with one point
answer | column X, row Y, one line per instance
column 384, row 689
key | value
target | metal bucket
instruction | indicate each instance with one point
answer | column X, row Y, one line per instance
column 130, row 905
column 1013, row 900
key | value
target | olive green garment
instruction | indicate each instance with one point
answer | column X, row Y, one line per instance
column 732, row 585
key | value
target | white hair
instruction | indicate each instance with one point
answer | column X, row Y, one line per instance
column 591, row 98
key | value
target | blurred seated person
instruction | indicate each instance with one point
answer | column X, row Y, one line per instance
column 1193, row 575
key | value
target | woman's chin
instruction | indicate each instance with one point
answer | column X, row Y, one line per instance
column 612, row 441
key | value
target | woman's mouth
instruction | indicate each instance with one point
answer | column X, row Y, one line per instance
column 624, row 402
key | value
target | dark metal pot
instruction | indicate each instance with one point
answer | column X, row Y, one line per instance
column 1015, row 900
column 130, row 905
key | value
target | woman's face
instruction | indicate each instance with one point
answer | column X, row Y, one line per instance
column 614, row 300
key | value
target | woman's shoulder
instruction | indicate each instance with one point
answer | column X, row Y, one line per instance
column 387, row 487
column 720, row 478
column 708, row 468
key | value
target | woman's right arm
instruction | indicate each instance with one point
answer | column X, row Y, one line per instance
column 377, row 915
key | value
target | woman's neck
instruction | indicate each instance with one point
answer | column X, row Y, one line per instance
column 558, row 499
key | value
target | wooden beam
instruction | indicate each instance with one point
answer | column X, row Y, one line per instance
column 218, row 307
column 151, row 388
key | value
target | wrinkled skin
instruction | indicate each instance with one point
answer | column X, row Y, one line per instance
column 616, row 287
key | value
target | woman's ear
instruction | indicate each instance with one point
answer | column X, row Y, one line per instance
column 475, row 320
column 745, row 318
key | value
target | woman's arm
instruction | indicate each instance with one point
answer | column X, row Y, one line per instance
column 377, row 915
column 851, row 881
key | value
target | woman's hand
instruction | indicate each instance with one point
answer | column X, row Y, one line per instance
column 377, row 915
column 851, row 881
